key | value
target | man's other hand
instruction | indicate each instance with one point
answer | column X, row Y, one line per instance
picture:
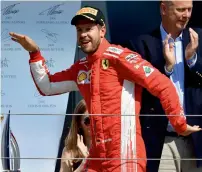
column 193, row 44
column 190, row 130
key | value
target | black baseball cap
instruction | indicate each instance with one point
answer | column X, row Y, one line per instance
column 91, row 13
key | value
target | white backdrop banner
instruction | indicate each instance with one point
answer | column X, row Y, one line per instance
column 48, row 24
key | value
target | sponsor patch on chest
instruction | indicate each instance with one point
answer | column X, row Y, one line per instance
column 105, row 64
column 83, row 77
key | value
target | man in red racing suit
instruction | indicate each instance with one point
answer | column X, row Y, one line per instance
column 111, row 80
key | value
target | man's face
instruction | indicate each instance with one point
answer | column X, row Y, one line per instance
column 177, row 13
column 89, row 35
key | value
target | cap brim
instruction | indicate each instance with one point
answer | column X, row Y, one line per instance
column 76, row 18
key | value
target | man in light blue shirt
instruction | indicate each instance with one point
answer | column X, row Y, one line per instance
column 177, row 52
column 175, row 15
column 176, row 70
column 177, row 147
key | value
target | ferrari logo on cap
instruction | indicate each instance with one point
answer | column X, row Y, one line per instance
column 105, row 64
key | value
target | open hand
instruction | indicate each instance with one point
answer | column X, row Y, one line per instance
column 26, row 42
column 190, row 130
column 82, row 147
column 169, row 53
column 193, row 45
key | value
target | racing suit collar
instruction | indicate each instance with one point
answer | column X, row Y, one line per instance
column 101, row 49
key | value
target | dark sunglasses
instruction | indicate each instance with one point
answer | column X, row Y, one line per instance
column 86, row 121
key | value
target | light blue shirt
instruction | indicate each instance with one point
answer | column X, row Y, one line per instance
column 177, row 73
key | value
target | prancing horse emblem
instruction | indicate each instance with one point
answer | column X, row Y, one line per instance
column 105, row 64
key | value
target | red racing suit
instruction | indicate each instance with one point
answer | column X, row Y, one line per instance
column 111, row 81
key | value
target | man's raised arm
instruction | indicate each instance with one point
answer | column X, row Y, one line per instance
column 46, row 83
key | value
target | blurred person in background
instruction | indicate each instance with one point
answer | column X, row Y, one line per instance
column 176, row 51
column 78, row 141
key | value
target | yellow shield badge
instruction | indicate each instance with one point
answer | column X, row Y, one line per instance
column 82, row 77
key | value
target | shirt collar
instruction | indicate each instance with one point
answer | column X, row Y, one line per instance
column 101, row 49
column 164, row 34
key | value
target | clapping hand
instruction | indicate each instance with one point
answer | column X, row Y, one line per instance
column 169, row 53
column 193, row 44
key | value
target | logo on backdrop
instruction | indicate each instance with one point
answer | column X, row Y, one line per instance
column 2, row 93
column 52, row 39
column 3, row 105
column 38, row 95
column 4, row 63
column 51, row 36
column 6, row 40
column 40, row 102
column 52, row 10
column 10, row 9
column 51, row 15
column 50, row 63
column 9, row 12
column 5, row 72
column 5, row 35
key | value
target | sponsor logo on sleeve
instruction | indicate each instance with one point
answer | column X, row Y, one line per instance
column 132, row 58
column 147, row 70
column 137, row 66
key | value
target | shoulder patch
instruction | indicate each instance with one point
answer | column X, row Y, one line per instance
column 112, row 55
column 115, row 50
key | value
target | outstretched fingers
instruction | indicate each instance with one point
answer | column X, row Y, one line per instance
column 166, row 43
column 16, row 36
column 196, row 128
column 14, row 39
